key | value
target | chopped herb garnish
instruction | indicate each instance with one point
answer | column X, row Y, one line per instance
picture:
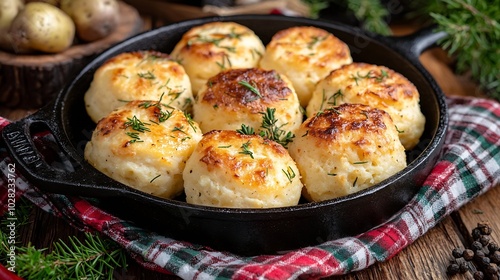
column 354, row 183
column 246, row 130
column 222, row 65
column 224, row 147
column 383, row 75
column 190, row 121
column 147, row 75
column 252, row 87
column 314, row 41
column 157, row 176
column 135, row 137
column 331, row 174
column 399, row 131
column 246, row 150
column 289, row 173
column 136, row 124
column 179, row 129
column 335, row 96
column 273, row 132
column 360, row 162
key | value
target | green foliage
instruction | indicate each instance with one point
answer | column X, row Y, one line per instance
column 474, row 38
column 93, row 258
column 371, row 13
column 472, row 25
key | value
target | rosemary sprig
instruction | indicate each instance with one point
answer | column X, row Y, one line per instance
column 289, row 173
column 272, row 131
column 252, row 87
column 147, row 75
column 93, row 258
column 246, row 150
column 246, row 130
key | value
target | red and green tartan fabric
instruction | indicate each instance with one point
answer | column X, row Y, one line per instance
column 469, row 166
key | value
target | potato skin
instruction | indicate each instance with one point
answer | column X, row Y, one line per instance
column 94, row 19
column 8, row 11
column 42, row 27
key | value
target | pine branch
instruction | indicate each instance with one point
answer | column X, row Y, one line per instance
column 473, row 38
column 94, row 258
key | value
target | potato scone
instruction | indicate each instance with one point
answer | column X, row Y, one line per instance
column 141, row 75
column 379, row 87
column 345, row 149
column 144, row 145
column 229, row 169
column 207, row 49
column 305, row 54
column 242, row 96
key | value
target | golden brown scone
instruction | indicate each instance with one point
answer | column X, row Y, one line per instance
column 144, row 145
column 379, row 87
column 141, row 75
column 207, row 49
column 345, row 149
column 228, row 169
column 241, row 96
column 305, row 54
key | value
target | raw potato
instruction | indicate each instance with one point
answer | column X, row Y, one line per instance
column 8, row 11
column 94, row 19
column 41, row 27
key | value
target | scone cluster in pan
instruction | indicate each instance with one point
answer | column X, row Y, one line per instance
column 254, row 126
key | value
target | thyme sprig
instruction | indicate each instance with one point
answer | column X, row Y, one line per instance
column 246, row 150
column 272, row 131
column 252, row 87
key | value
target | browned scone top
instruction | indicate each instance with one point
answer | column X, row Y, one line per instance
column 377, row 86
column 144, row 145
column 138, row 75
column 306, row 54
column 240, row 96
column 207, row 49
column 345, row 149
column 229, row 169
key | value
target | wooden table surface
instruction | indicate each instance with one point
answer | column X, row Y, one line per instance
column 427, row 258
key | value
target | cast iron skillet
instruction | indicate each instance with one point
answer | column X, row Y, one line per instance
column 242, row 231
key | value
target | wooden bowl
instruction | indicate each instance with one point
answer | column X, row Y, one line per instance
column 31, row 81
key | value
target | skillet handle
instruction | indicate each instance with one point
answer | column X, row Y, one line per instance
column 77, row 178
column 413, row 45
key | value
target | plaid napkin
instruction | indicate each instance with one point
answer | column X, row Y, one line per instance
column 469, row 166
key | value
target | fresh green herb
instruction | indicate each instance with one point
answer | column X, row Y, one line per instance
column 315, row 40
column 246, row 150
column 147, row 75
column 252, row 87
column 136, row 124
column 157, row 176
column 246, row 130
column 354, row 183
column 224, row 147
column 382, row 76
column 360, row 162
column 334, row 97
column 399, row 131
column 180, row 129
column 273, row 132
column 190, row 121
column 135, row 137
column 289, row 173
column 92, row 258
column 225, row 59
